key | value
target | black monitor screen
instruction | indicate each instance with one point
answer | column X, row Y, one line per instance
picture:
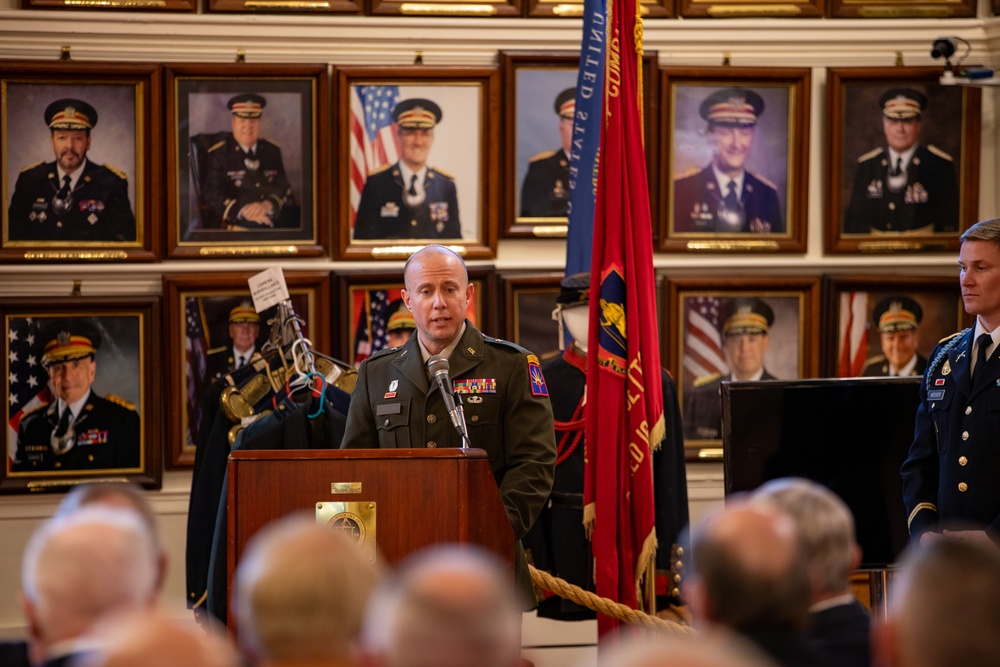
column 849, row 435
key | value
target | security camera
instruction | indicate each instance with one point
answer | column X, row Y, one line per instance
column 944, row 47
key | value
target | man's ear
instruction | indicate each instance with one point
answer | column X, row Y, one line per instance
column 406, row 298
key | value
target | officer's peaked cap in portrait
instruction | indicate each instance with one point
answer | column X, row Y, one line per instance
column 574, row 290
column 246, row 105
column 416, row 114
column 70, row 114
column 243, row 314
column 745, row 315
column 897, row 313
column 902, row 103
column 68, row 339
column 401, row 320
column 566, row 103
column 737, row 107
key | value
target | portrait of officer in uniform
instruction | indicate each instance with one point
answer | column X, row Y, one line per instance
column 903, row 187
column 725, row 196
column 242, row 183
column 79, row 430
column 71, row 198
column 410, row 199
column 545, row 190
column 744, row 323
column 244, row 330
column 897, row 318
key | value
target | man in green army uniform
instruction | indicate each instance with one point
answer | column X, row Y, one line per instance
column 545, row 191
column 70, row 198
column 397, row 405
column 79, row 430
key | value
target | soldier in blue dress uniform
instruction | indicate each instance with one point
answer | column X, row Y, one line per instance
column 409, row 199
column 725, row 197
column 903, row 187
column 70, row 198
column 79, row 430
column 950, row 476
column 545, row 191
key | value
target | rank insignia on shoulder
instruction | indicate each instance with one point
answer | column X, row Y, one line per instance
column 538, row 387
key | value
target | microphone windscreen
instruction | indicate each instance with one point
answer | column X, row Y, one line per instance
column 437, row 364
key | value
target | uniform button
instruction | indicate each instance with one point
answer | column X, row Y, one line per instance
column 90, row 457
column 431, row 418
column 192, row 595
column 965, row 435
column 963, row 487
column 892, row 206
column 59, row 464
column 676, row 592
column 677, row 578
column 385, row 423
column 413, row 223
column 432, row 444
column 962, row 460
column 680, row 551
column 679, row 565
column 968, row 409
column 475, row 418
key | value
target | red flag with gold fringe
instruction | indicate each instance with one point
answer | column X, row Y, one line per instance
column 624, row 411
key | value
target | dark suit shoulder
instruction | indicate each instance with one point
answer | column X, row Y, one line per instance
column 118, row 400
column 380, row 170
column 32, row 166
column 267, row 143
column 940, row 153
column 875, row 361
column 706, row 380
column 116, row 171
column 384, row 352
column 35, row 411
column 688, row 173
column 544, row 155
column 948, row 338
column 435, row 170
column 762, row 180
column 871, row 155
column 506, row 344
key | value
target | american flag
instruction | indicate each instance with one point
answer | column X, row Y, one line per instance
column 195, row 365
column 703, row 353
column 373, row 141
column 370, row 335
column 27, row 386
column 853, row 333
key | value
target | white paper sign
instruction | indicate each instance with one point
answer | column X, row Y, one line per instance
column 268, row 288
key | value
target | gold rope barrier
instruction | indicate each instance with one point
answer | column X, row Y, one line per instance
column 566, row 590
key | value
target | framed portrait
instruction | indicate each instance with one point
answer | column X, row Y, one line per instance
column 888, row 325
column 904, row 160
column 724, row 329
column 282, row 6
column 539, row 90
column 887, row 9
column 376, row 317
column 735, row 159
column 119, row 5
column 79, row 157
column 417, row 160
column 478, row 8
column 212, row 329
column 738, row 9
column 574, row 8
column 83, row 389
column 528, row 300
column 246, row 160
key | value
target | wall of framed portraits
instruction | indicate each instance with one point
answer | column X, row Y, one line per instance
column 162, row 81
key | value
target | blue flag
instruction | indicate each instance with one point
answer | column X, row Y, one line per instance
column 586, row 138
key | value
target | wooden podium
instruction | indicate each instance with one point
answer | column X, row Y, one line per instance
column 394, row 500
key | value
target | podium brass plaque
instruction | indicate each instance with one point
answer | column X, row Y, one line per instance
column 356, row 520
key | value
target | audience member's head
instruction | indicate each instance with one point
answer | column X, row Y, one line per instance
column 120, row 495
column 677, row 651
column 749, row 575
column 84, row 566
column 150, row 640
column 826, row 531
column 300, row 593
column 445, row 607
column 944, row 607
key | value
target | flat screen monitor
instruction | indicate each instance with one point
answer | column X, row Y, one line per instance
column 850, row 435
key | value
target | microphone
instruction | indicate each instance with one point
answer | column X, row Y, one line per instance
column 437, row 365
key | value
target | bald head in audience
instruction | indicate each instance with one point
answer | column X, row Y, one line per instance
column 151, row 640
column 677, row 651
column 748, row 570
column 299, row 594
column 82, row 567
column 944, row 607
column 445, row 607
column 120, row 495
